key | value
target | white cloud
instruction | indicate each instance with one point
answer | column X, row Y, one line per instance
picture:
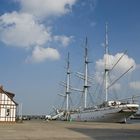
column 25, row 29
column 40, row 54
column 124, row 64
column 21, row 30
column 64, row 40
column 135, row 85
column 46, row 8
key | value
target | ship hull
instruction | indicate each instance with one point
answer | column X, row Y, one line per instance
column 106, row 114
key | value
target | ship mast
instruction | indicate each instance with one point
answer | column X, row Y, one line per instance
column 106, row 63
column 68, row 84
column 85, row 90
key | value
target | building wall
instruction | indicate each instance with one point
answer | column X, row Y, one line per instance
column 7, row 108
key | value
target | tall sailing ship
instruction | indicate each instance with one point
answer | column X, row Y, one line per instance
column 109, row 110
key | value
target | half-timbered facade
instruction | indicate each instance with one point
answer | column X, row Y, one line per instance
column 7, row 106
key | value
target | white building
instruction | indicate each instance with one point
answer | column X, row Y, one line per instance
column 7, row 106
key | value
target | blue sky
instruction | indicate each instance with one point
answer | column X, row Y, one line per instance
column 35, row 38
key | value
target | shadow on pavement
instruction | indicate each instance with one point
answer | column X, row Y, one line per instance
column 109, row 134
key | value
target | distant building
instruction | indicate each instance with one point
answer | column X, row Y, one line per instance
column 7, row 106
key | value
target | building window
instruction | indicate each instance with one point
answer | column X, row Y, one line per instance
column 8, row 112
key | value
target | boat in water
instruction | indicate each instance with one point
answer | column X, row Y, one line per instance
column 109, row 110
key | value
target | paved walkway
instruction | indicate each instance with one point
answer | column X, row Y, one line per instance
column 55, row 130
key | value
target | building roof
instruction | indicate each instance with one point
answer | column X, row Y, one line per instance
column 12, row 95
column 9, row 94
